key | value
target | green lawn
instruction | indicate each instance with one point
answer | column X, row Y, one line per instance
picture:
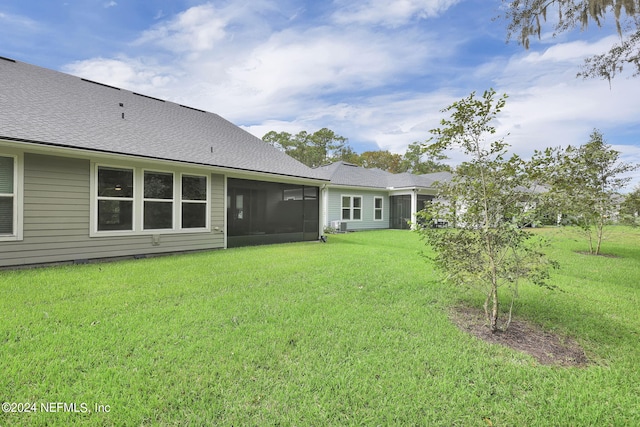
column 352, row 332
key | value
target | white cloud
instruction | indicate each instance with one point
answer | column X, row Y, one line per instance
column 368, row 85
column 573, row 52
column 19, row 23
column 283, row 75
column 197, row 29
column 549, row 105
column 320, row 61
column 388, row 13
column 387, row 122
column 123, row 72
column 110, row 4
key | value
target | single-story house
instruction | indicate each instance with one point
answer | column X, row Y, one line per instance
column 89, row 171
column 357, row 198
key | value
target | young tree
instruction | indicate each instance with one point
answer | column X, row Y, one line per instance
column 630, row 208
column 585, row 183
column 525, row 18
column 489, row 199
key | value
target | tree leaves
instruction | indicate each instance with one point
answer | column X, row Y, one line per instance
column 487, row 202
column 313, row 149
column 584, row 183
column 325, row 146
column 526, row 17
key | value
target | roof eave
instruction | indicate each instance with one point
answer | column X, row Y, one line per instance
column 62, row 149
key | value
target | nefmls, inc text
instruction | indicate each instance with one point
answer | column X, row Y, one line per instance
column 82, row 408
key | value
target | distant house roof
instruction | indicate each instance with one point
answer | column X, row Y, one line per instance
column 347, row 174
column 343, row 173
column 42, row 106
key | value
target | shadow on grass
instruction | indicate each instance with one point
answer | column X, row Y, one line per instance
column 630, row 253
column 567, row 316
column 599, row 332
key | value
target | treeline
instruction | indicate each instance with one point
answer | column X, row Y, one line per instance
column 324, row 147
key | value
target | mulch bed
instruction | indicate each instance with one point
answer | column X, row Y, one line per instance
column 546, row 347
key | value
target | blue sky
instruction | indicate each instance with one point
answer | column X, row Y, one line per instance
column 377, row 72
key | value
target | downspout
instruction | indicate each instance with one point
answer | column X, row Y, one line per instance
column 414, row 208
column 225, row 209
column 324, row 202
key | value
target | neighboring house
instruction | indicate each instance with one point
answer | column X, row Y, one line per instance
column 365, row 199
column 92, row 171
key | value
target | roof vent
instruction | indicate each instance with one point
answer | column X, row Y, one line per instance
column 7, row 59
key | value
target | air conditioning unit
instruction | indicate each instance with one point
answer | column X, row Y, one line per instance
column 339, row 226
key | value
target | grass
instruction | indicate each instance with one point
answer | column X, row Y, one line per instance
column 352, row 332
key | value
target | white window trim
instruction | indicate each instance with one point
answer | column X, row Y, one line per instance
column 138, row 202
column 172, row 200
column 381, row 208
column 95, row 198
column 206, row 202
column 351, row 207
column 18, row 197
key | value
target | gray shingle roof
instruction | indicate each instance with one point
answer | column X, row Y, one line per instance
column 49, row 107
column 342, row 173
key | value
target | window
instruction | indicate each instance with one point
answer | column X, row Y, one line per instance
column 129, row 199
column 377, row 208
column 292, row 194
column 115, row 199
column 8, row 204
column 158, row 200
column 194, row 201
column 352, row 208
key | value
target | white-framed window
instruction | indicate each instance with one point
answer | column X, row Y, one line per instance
column 115, row 197
column 10, row 197
column 194, row 192
column 351, row 208
column 158, row 199
column 138, row 200
column 377, row 209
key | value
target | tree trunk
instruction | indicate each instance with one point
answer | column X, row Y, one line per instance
column 486, row 308
column 600, row 232
column 494, row 308
column 492, row 298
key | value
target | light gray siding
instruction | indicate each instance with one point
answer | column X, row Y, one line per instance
column 334, row 208
column 56, row 219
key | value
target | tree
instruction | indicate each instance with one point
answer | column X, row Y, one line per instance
column 630, row 208
column 316, row 149
column 525, row 19
column 381, row 159
column 585, row 182
column 489, row 199
column 346, row 154
column 417, row 161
